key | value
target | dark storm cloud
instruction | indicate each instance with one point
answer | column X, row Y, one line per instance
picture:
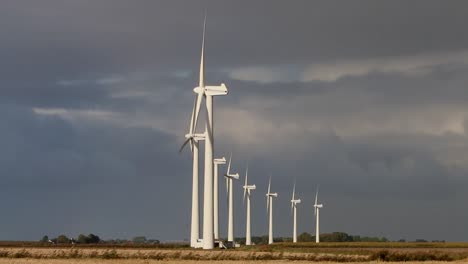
column 365, row 99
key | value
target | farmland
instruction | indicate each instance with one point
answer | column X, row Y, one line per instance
column 277, row 253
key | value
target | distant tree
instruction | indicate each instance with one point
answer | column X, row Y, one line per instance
column 93, row 239
column 421, row 240
column 305, row 237
column 139, row 240
column 402, row 240
column 82, row 239
column 63, row 239
column 45, row 239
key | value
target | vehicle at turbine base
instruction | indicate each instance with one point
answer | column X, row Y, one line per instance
column 270, row 196
column 317, row 208
column 207, row 92
column 294, row 203
column 247, row 189
column 229, row 188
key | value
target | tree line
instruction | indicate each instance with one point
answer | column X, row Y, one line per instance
column 94, row 239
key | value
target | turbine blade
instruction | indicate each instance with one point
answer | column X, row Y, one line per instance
column 246, row 174
column 227, row 185
column 202, row 59
column 269, row 185
column 294, row 190
column 197, row 110
column 185, row 143
column 229, row 165
column 316, row 196
column 268, row 203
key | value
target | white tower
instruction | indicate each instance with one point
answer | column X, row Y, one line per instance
column 229, row 188
column 317, row 219
column 207, row 92
column 217, row 162
column 247, row 189
column 270, row 196
column 294, row 203
column 194, row 140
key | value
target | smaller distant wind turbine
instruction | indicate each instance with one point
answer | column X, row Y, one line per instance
column 217, row 162
column 294, row 203
column 229, row 181
column 317, row 219
column 247, row 189
column 270, row 196
column 194, row 138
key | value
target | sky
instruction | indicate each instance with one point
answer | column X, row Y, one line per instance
column 365, row 99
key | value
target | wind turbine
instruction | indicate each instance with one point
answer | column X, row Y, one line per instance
column 207, row 92
column 247, row 189
column 229, row 180
column 316, row 212
column 194, row 139
column 217, row 162
column 270, row 196
column 294, row 203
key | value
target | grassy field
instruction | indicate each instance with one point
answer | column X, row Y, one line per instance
column 139, row 261
column 277, row 253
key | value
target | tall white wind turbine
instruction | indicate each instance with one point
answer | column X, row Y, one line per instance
column 207, row 92
column 270, row 196
column 247, row 189
column 229, row 188
column 317, row 218
column 194, row 139
column 217, row 162
column 294, row 203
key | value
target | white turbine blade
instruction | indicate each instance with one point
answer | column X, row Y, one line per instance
column 192, row 120
column 294, row 190
column 202, row 60
column 227, row 185
column 316, row 196
column 185, row 143
column 197, row 110
column 269, row 185
column 268, row 203
column 246, row 177
column 201, row 83
column 193, row 116
column 229, row 165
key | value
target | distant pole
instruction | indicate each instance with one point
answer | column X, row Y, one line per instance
column 270, row 231
column 317, row 232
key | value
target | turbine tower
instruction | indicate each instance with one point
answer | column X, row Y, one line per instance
column 229, row 181
column 294, row 203
column 316, row 212
column 270, row 196
column 207, row 92
column 217, row 162
column 194, row 139
column 247, row 189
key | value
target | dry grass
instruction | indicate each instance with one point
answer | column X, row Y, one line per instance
column 141, row 261
column 260, row 254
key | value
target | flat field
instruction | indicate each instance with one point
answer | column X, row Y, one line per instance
column 278, row 253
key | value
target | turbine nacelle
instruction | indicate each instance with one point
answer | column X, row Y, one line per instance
column 272, row 194
column 196, row 137
column 249, row 187
column 232, row 176
column 211, row 90
column 298, row 201
column 318, row 205
column 220, row 161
